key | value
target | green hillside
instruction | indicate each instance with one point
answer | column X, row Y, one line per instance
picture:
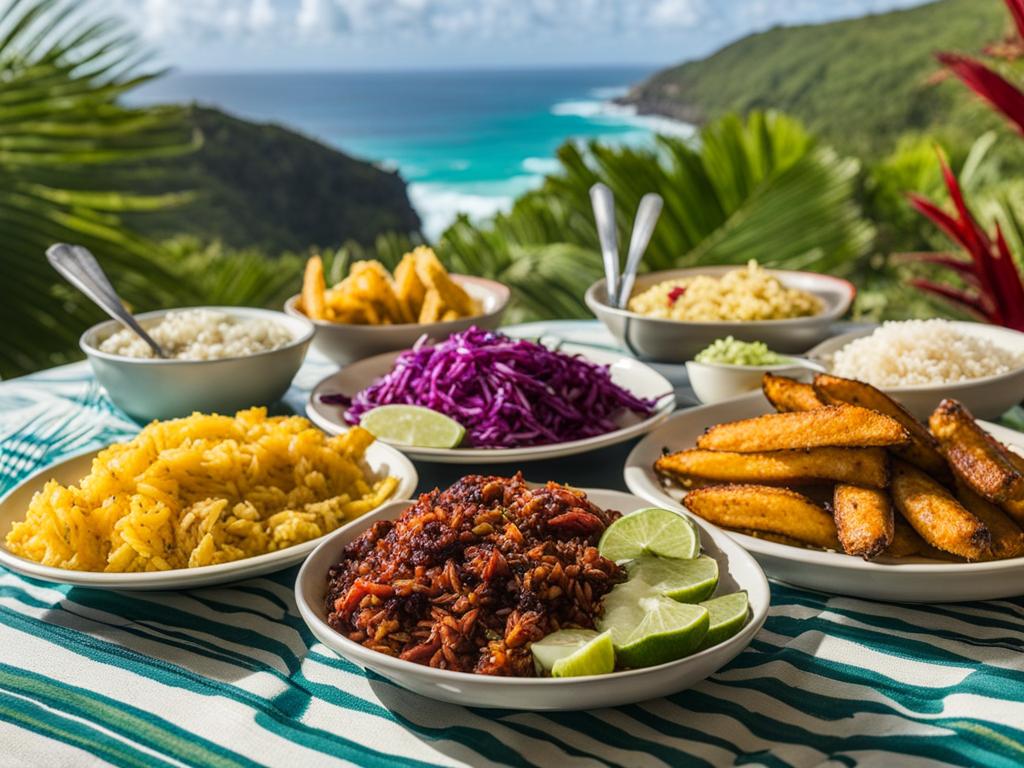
column 265, row 186
column 859, row 83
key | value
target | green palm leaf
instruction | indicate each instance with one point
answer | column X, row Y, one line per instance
column 64, row 140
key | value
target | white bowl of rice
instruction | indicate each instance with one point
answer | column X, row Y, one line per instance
column 220, row 360
column 790, row 311
column 920, row 362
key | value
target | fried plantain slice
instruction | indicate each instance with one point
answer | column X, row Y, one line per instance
column 766, row 509
column 1007, row 536
column 836, row 425
column 936, row 515
column 313, row 287
column 433, row 275
column 865, row 466
column 409, row 288
column 922, row 450
column 787, row 394
column 905, row 540
column 974, row 456
column 1014, row 505
column 864, row 520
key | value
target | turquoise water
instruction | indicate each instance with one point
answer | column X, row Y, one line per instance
column 465, row 141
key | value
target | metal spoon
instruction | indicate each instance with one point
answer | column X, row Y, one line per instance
column 603, row 202
column 80, row 268
column 643, row 227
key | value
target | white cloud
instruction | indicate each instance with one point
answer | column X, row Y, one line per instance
column 261, row 15
column 291, row 23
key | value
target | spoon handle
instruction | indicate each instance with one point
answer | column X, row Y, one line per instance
column 603, row 202
column 643, row 227
column 80, row 268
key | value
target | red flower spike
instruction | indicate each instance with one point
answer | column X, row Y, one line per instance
column 962, row 299
column 1008, row 283
column 990, row 86
column 963, row 267
column 1016, row 8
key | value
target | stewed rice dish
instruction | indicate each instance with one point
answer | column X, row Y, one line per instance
column 466, row 578
column 199, row 491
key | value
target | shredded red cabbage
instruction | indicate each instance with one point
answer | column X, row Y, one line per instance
column 507, row 393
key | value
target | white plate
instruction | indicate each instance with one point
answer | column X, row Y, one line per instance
column 737, row 570
column 382, row 459
column 987, row 398
column 898, row 580
column 630, row 374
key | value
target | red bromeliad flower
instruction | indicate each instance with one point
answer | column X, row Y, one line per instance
column 994, row 288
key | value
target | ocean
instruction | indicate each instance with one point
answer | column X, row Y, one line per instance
column 466, row 141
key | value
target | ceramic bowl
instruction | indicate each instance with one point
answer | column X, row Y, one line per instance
column 737, row 570
column 987, row 398
column 148, row 389
column 343, row 343
column 714, row 382
column 675, row 341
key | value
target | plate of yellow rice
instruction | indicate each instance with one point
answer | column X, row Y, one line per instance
column 196, row 501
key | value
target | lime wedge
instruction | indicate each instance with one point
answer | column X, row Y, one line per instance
column 558, row 645
column 413, row 425
column 727, row 615
column 575, row 652
column 648, row 628
column 650, row 532
column 688, row 581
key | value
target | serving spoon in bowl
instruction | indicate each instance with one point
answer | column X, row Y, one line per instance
column 80, row 268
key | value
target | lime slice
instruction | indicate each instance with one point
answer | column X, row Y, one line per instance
column 413, row 425
column 650, row 532
column 727, row 615
column 558, row 645
column 648, row 628
column 688, row 581
column 575, row 652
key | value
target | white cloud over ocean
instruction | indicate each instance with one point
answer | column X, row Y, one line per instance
column 441, row 32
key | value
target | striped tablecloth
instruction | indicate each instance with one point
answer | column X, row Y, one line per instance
column 230, row 676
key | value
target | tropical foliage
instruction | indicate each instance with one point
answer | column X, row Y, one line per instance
column 759, row 188
column 992, row 287
column 63, row 134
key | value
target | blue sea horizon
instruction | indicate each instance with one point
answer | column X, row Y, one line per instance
column 465, row 141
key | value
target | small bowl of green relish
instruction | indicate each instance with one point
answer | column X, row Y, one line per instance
column 729, row 368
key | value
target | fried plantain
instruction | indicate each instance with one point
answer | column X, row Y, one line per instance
column 836, row 425
column 766, row 509
column 313, row 287
column 973, row 455
column 905, row 540
column 865, row 466
column 936, row 515
column 1007, row 536
column 787, row 394
column 922, row 450
column 864, row 520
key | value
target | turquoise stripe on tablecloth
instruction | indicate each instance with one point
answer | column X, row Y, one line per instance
column 229, row 676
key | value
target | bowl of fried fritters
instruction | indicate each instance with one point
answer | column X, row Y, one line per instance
column 373, row 310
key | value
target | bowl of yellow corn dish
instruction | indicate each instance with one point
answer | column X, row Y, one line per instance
column 671, row 315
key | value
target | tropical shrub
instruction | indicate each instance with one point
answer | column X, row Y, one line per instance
column 63, row 134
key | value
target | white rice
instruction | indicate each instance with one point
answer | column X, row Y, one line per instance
column 201, row 334
column 919, row 352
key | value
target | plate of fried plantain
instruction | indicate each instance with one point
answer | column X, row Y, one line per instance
column 834, row 486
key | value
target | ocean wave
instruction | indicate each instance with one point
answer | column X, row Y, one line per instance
column 603, row 111
column 438, row 204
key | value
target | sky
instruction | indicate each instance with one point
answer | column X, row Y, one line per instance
column 261, row 35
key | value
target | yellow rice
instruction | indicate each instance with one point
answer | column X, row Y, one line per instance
column 202, row 490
